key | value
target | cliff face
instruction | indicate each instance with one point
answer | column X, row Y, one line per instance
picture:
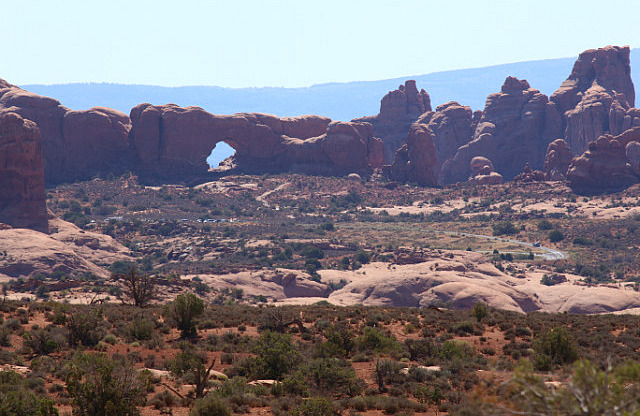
column 604, row 166
column 174, row 142
column 398, row 110
column 515, row 128
column 22, row 194
column 598, row 97
column 415, row 161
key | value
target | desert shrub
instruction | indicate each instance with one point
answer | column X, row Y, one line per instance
column 373, row 339
column 340, row 342
column 40, row 342
column 275, row 356
column 362, row 257
column 294, row 384
column 183, row 312
column 210, row 406
column 335, row 376
column 420, row 348
column 315, row 406
column 553, row 279
column 505, row 228
column 554, row 347
column 85, row 327
column 589, row 391
column 463, row 328
column 17, row 400
column 545, row 225
column 455, row 349
column 140, row 329
column 555, row 236
column 480, row 311
column 582, row 241
column 163, row 400
column 192, row 367
column 101, row 386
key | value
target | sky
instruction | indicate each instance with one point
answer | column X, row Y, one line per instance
column 243, row 43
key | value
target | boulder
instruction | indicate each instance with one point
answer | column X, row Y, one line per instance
column 398, row 110
column 22, row 194
column 529, row 175
column 632, row 149
column 557, row 160
column 415, row 161
column 516, row 127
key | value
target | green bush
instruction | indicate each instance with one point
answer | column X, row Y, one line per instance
column 335, row 376
column 210, row 405
column 183, row 312
column 505, row 228
column 101, row 386
column 554, row 347
column 555, row 236
column 17, row 400
column 315, row 406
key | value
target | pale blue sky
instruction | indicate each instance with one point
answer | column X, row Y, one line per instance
column 242, row 43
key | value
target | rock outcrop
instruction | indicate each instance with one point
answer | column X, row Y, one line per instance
column 529, row 175
column 96, row 142
column 598, row 97
column 174, row 142
column 398, row 110
column 452, row 125
column 557, row 160
column 516, row 126
column 22, row 195
column 415, row 161
column 604, row 167
column 482, row 172
column 48, row 114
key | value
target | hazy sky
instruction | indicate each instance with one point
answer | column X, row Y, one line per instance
column 240, row 43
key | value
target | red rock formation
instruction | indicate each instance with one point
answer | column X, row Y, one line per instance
column 598, row 97
column 452, row 127
column 557, row 160
column 174, row 142
column 604, row 167
column 482, row 172
column 529, row 175
column 96, row 142
column 633, row 155
column 22, row 195
column 516, row 126
column 415, row 161
column 47, row 113
column 398, row 110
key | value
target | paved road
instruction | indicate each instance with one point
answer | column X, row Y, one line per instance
column 549, row 253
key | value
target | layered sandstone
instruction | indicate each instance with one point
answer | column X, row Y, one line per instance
column 398, row 110
column 598, row 97
column 557, row 160
column 22, row 195
column 516, row 126
column 452, row 126
column 174, row 142
column 415, row 161
column 604, row 166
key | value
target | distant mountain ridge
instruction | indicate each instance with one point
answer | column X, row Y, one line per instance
column 339, row 101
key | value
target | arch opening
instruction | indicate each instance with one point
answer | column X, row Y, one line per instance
column 219, row 154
